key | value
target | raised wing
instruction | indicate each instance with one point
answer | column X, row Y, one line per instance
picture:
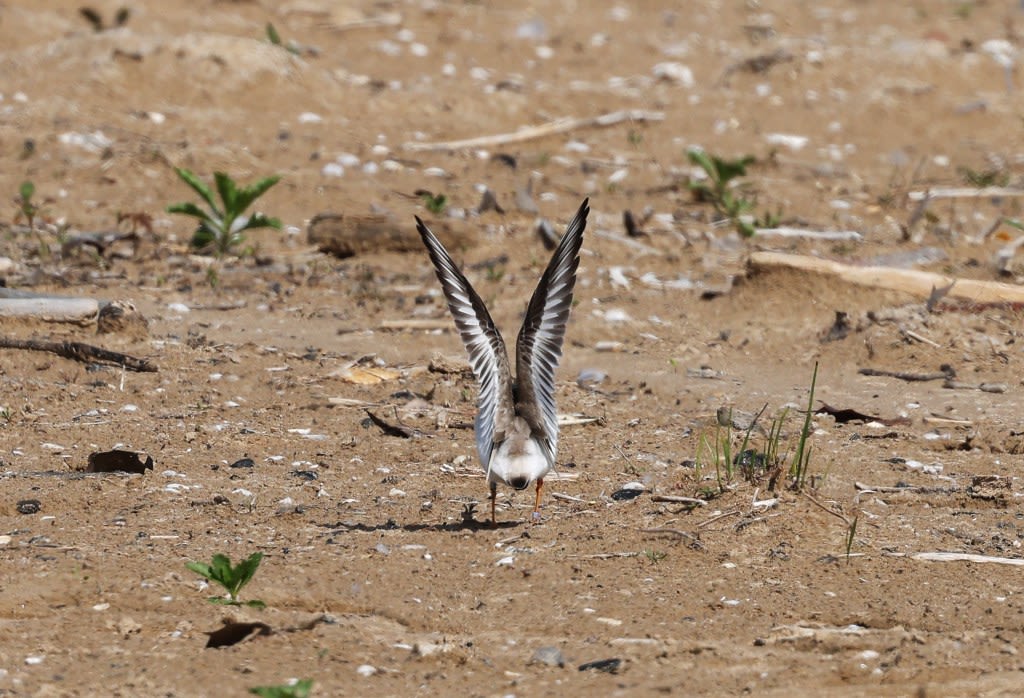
column 483, row 342
column 539, row 346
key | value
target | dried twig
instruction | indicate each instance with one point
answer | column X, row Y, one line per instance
column 530, row 133
column 964, row 193
column 673, row 499
column 907, row 376
column 676, row 532
column 79, row 351
column 967, row 557
column 913, row 281
column 604, row 556
column 841, row 235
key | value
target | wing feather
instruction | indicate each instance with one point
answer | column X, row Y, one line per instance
column 486, row 349
column 539, row 345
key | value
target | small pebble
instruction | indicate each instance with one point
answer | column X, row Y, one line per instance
column 366, row 670
column 29, row 506
column 609, row 666
column 551, row 656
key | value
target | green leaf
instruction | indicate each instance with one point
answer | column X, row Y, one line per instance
column 189, row 209
column 200, row 568
column 247, row 195
column 244, row 571
column 26, row 191
column 731, row 169
column 256, row 603
column 703, row 160
column 258, row 220
column 228, row 194
column 221, row 565
column 202, row 238
column 200, row 188
column 272, row 35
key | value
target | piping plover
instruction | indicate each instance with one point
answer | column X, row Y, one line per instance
column 516, row 424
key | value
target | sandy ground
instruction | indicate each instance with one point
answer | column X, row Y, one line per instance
column 379, row 577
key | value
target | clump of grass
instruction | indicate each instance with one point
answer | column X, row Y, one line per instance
column 299, row 689
column 221, row 226
column 233, row 579
column 800, row 465
column 655, row 556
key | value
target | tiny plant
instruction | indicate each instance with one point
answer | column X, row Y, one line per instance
column 299, row 689
column 717, row 450
column 275, row 38
column 220, row 228
column 727, row 195
column 802, row 458
column 655, row 556
column 435, row 203
column 27, row 208
column 720, row 191
column 231, row 578
column 993, row 177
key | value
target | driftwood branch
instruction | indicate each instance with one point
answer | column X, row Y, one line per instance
column 81, row 311
column 79, row 351
column 849, row 235
column 964, row 193
column 967, row 557
column 530, row 133
column 918, row 283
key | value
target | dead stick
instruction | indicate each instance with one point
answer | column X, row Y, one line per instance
column 675, row 532
column 903, row 375
column 78, row 351
column 675, row 499
column 533, row 132
column 912, row 281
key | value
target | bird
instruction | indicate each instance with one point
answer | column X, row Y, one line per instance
column 516, row 425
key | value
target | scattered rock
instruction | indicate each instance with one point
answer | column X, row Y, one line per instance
column 631, row 490
column 609, row 666
column 550, row 656
column 122, row 317
column 243, row 463
column 347, row 235
column 118, row 461
column 29, row 506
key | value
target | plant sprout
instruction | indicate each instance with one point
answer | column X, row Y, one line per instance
column 231, row 578
column 220, row 228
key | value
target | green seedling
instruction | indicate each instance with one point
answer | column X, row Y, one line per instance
column 231, row 578
column 802, row 458
column 435, row 203
column 299, row 689
column 722, row 191
column 984, row 178
column 655, row 556
column 275, row 38
column 220, row 228
column 27, row 209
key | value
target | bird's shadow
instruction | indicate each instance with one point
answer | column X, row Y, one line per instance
column 392, row 525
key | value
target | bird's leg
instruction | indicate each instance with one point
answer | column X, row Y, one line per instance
column 494, row 495
column 536, row 504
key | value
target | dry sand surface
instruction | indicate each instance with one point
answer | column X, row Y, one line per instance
column 379, row 575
